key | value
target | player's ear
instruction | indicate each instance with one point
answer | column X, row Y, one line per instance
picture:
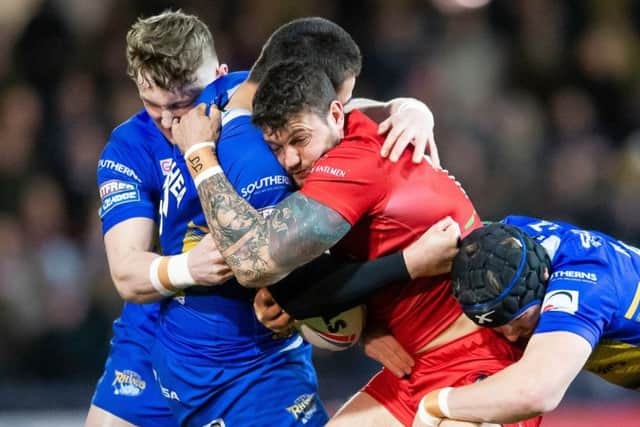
column 336, row 113
column 222, row 70
column 545, row 274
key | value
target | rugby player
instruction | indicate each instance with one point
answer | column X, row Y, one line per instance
column 171, row 58
column 574, row 294
column 362, row 206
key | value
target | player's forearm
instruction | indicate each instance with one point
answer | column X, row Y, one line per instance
column 263, row 251
column 260, row 251
column 509, row 401
column 143, row 277
column 130, row 275
column 533, row 385
column 327, row 285
column 240, row 232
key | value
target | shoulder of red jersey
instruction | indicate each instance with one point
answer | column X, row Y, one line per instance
column 361, row 129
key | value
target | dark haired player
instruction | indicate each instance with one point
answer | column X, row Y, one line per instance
column 574, row 293
column 366, row 207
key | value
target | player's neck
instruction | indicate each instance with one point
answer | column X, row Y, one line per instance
column 243, row 96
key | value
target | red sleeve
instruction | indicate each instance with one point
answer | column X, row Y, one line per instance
column 348, row 179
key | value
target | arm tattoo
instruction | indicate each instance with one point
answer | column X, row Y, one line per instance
column 262, row 251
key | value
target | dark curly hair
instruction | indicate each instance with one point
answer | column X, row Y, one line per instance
column 288, row 89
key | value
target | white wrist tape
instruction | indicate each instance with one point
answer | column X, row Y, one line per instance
column 178, row 270
column 425, row 417
column 206, row 174
column 155, row 279
column 199, row 145
column 443, row 402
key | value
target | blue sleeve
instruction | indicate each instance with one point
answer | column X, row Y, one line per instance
column 125, row 184
column 580, row 299
column 250, row 165
column 220, row 90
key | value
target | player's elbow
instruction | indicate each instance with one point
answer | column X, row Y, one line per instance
column 253, row 278
column 536, row 398
column 125, row 290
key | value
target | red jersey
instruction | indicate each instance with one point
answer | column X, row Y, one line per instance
column 389, row 205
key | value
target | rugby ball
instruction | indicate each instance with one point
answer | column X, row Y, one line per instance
column 336, row 333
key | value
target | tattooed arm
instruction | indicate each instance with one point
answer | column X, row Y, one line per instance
column 259, row 251
column 262, row 251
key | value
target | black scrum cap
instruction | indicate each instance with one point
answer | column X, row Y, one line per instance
column 498, row 274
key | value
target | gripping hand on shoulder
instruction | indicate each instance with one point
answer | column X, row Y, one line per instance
column 410, row 122
column 432, row 254
column 196, row 126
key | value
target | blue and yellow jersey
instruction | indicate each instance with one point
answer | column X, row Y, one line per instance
column 594, row 292
column 134, row 173
column 217, row 324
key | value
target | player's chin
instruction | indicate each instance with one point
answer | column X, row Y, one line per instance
column 300, row 177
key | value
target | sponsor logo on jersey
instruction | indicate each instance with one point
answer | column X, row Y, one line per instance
column 329, row 170
column 303, row 408
column 173, row 185
column 561, row 300
column 115, row 192
column 165, row 166
column 128, row 383
column 118, row 167
column 264, row 184
column 114, row 186
column 580, row 276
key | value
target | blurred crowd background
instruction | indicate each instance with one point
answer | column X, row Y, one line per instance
column 537, row 107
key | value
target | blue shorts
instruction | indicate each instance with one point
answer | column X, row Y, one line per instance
column 128, row 389
column 279, row 389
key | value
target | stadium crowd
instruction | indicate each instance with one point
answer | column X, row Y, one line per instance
column 536, row 105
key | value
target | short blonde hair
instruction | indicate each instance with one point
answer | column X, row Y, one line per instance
column 167, row 49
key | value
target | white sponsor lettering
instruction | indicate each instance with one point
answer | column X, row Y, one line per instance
column 330, row 171
column 561, row 300
column 264, row 183
column 114, row 186
column 166, row 392
column 115, row 199
column 118, row 167
column 577, row 275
